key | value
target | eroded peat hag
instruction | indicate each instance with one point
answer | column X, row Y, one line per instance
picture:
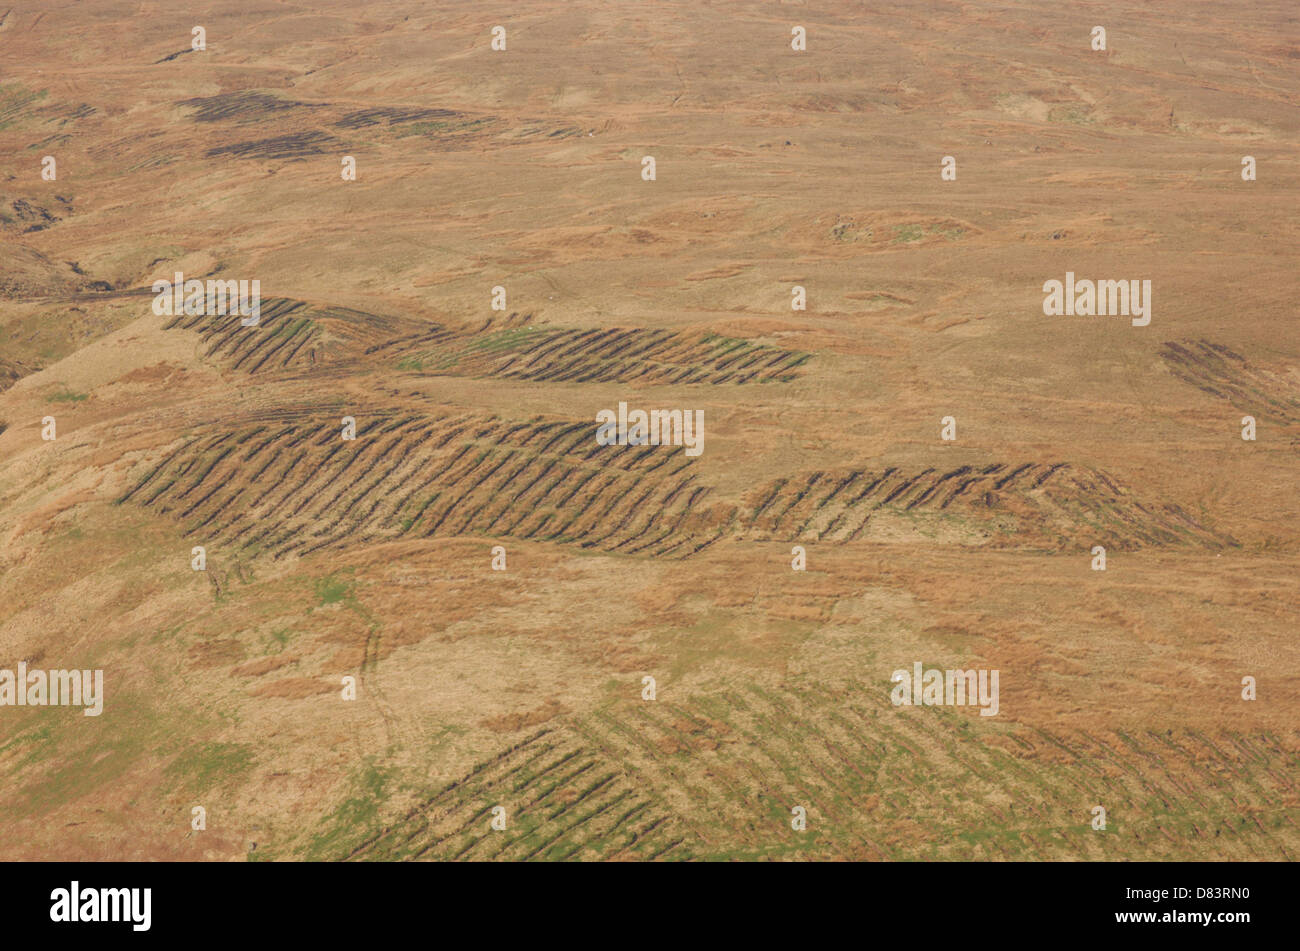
column 289, row 334
column 296, row 486
column 508, row 347
column 616, row 355
column 599, row 787
column 1216, row 369
column 300, row 488
column 570, row 801
column 1053, row 506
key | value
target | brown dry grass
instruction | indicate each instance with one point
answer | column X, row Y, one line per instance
column 523, row 687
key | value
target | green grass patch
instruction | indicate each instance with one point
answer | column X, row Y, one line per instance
column 504, row 340
column 333, row 590
column 211, row 765
column 354, row 818
column 907, row 234
column 1074, row 115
